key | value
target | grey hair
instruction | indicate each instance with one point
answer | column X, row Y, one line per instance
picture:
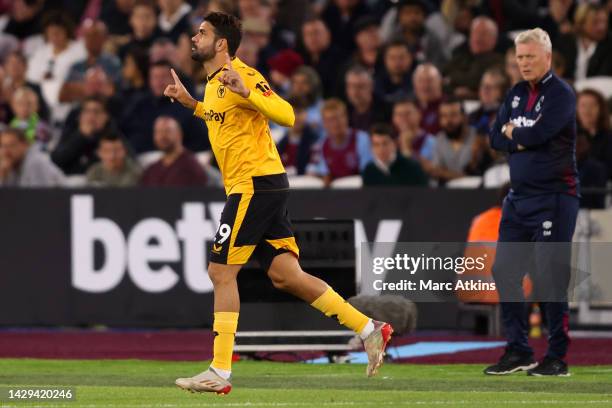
column 359, row 70
column 536, row 35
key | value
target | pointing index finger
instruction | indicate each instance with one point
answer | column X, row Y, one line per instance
column 176, row 78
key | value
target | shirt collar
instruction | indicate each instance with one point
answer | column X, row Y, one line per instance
column 545, row 79
column 235, row 60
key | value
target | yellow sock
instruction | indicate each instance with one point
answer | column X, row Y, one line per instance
column 224, row 326
column 332, row 304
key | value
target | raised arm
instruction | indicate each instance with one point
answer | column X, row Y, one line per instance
column 178, row 92
column 258, row 94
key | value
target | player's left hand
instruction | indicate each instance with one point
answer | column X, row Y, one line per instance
column 233, row 81
column 508, row 131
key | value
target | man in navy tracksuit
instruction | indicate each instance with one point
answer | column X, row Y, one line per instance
column 536, row 125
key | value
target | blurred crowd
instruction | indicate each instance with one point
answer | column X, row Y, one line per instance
column 385, row 92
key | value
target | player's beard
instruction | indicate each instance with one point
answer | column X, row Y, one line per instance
column 454, row 133
column 203, row 56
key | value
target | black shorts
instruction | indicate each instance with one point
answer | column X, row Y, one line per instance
column 254, row 224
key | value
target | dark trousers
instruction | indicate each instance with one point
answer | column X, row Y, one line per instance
column 535, row 237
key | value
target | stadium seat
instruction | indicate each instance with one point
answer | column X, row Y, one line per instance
column 148, row 158
column 465, row 182
column 75, row 181
column 602, row 84
column 305, row 182
column 470, row 106
column 496, row 176
column 347, row 182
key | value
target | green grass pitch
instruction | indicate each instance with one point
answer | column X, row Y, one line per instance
column 136, row 383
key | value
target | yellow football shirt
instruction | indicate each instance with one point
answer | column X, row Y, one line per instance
column 238, row 129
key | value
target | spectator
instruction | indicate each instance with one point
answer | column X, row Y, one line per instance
column 455, row 143
column 50, row 64
column 22, row 165
column 25, row 109
column 559, row 66
column 95, row 35
column 344, row 151
column 321, row 54
column 364, row 108
column 493, row 88
column 96, row 84
column 135, row 75
column 116, row 16
column 291, row 14
column 306, row 82
column 587, row 52
column 137, row 119
column 427, row 84
column 394, row 81
column 413, row 140
column 256, row 35
column 178, row 166
column 591, row 172
column 295, row 147
column 254, row 9
column 424, row 44
column 163, row 49
column 593, row 117
column 452, row 23
column 76, row 151
column 368, row 41
column 174, row 18
column 134, row 78
column 15, row 67
column 512, row 68
column 282, row 66
column 389, row 167
column 25, row 19
column 116, row 168
column 471, row 60
column 511, row 15
column 143, row 21
column 340, row 16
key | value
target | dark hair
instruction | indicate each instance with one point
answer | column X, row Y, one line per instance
column 162, row 41
column 504, row 81
column 405, row 101
column 113, row 137
column 603, row 119
column 18, row 133
column 397, row 42
column 364, row 23
column 141, row 59
column 97, row 99
column 382, row 129
column 452, row 100
column 314, row 19
column 57, row 18
column 413, row 3
column 298, row 102
column 227, row 27
column 164, row 63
